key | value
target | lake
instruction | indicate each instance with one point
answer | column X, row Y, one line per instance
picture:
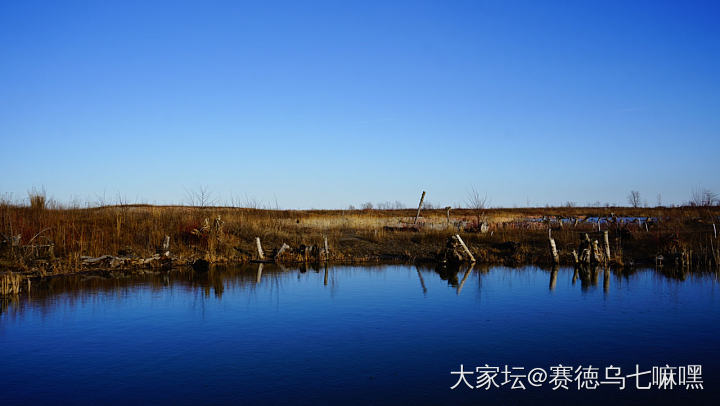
column 384, row 334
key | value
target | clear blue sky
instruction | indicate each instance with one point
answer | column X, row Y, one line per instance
column 326, row 104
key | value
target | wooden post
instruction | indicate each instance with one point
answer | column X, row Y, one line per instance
column 553, row 251
column 606, row 243
column 419, row 207
column 259, row 248
column 327, row 250
column 447, row 213
column 166, row 243
column 306, row 251
column 467, row 251
column 596, row 252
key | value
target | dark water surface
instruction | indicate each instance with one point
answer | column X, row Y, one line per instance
column 353, row 335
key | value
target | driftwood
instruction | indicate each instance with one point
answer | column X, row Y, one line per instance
column 467, row 251
column 112, row 261
column 281, row 250
column 455, row 251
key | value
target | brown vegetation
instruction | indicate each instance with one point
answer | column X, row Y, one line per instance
column 45, row 239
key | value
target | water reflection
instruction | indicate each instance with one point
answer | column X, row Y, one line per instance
column 215, row 281
column 271, row 332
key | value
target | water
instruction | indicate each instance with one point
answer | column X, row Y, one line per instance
column 351, row 335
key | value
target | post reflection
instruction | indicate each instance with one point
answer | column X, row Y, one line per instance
column 553, row 277
column 215, row 281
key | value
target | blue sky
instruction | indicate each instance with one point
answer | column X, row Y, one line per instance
column 326, row 104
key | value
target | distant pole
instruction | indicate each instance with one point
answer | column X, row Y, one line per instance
column 419, row 207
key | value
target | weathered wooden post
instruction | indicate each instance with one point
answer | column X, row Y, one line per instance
column 419, row 207
column 259, row 248
column 447, row 213
column 327, row 250
column 553, row 251
column 596, row 252
column 306, row 252
column 606, row 244
column 467, row 251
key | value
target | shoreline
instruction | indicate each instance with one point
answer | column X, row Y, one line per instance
column 40, row 242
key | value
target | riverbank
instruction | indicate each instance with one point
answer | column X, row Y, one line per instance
column 39, row 241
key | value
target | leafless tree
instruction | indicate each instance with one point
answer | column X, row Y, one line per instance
column 701, row 196
column 634, row 198
column 478, row 204
column 202, row 197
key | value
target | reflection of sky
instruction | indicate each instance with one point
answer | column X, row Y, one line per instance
column 293, row 336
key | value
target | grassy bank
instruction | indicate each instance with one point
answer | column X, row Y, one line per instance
column 44, row 240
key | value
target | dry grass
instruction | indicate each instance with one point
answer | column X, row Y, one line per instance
column 140, row 229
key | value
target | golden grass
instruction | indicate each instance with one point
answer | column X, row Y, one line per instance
column 141, row 229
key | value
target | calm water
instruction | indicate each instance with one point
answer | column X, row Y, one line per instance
column 352, row 335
